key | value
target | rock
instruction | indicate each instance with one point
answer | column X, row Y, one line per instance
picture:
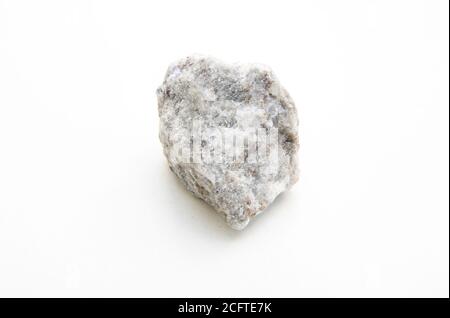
column 230, row 134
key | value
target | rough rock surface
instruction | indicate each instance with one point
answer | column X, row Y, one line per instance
column 230, row 133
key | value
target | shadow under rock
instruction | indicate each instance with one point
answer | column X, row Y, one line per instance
column 205, row 219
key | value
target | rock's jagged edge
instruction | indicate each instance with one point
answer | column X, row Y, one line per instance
column 238, row 96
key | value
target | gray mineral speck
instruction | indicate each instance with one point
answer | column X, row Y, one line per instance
column 230, row 134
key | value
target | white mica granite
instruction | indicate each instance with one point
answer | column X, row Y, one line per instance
column 232, row 109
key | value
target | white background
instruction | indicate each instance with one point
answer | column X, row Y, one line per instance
column 88, row 206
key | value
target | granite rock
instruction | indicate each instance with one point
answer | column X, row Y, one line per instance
column 230, row 134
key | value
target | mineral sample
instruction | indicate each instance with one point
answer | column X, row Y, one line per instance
column 230, row 134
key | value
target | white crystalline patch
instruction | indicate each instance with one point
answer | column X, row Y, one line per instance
column 230, row 133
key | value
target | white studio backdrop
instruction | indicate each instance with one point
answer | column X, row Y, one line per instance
column 88, row 206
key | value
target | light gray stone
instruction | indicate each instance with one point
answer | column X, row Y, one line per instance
column 230, row 134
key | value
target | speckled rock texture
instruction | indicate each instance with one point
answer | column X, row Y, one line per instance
column 230, row 134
